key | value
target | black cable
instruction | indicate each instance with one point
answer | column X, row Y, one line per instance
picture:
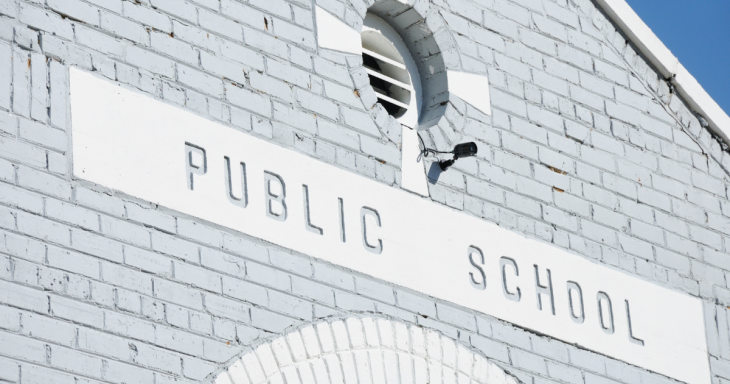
column 425, row 152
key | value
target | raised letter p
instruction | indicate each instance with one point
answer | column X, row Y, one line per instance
column 196, row 163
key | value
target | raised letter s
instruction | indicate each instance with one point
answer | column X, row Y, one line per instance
column 480, row 281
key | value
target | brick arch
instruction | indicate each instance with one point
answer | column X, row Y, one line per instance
column 362, row 350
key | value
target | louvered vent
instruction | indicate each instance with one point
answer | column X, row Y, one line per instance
column 383, row 58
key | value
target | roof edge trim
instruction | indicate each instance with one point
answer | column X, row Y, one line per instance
column 668, row 65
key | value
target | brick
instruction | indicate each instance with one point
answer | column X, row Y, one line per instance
column 23, row 297
column 549, row 27
column 338, row 135
column 9, row 319
column 230, row 309
column 178, row 293
column 181, row 9
column 289, row 74
column 96, row 245
column 290, row 305
column 125, row 277
column 376, row 290
column 271, row 86
column 125, row 231
column 199, row 80
column 245, row 248
column 197, row 276
column 225, row 263
column 73, row 262
column 72, row 361
column 300, row 36
column 76, row 311
column 509, row 103
column 593, row 379
column 45, row 21
column 564, row 373
column 415, row 303
column 705, row 236
column 243, row 13
column 39, row 87
column 534, row 189
column 522, row 204
column 8, row 218
column 164, row 43
column 293, row 263
column 707, row 183
column 72, row 214
column 513, row 67
column 124, row 373
column 351, row 302
column 43, row 183
column 560, row 218
column 22, row 347
column 519, row 146
column 6, row 67
column 500, row 25
column 245, row 291
column 77, row 10
column 20, row 198
column 456, row 317
column 599, row 233
column 317, row 104
column 131, row 31
column 612, row 73
column 150, row 61
column 103, row 344
column 23, row 247
column 528, row 361
column 128, row 326
column 43, row 228
column 217, row 24
column 148, row 356
column 8, row 122
column 152, row 217
column 654, row 198
column 268, row 276
column 672, row 187
column 247, row 99
column 9, row 370
column 265, row 42
column 620, row 185
column 313, row 290
column 270, row 321
column 333, row 276
column 24, row 153
column 588, row 360
column 361, row 122
column 147, row 261
column 330, row 70
column 147, row 16
column 59, row 94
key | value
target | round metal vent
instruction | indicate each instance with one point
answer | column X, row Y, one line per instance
column 391, row 69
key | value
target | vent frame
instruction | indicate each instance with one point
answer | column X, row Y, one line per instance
column 396, row 70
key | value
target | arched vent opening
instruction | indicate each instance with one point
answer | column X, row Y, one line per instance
column 392, row 71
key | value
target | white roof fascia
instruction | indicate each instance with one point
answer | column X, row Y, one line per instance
column 668, row 65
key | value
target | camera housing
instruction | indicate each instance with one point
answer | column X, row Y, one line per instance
column 464, row 150
column 460, row 150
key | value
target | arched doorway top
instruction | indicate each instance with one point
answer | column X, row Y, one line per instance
column 362, row 350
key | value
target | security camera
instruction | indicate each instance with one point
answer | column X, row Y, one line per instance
column 461, row 150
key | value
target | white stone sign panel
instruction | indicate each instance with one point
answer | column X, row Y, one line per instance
column 146, row 148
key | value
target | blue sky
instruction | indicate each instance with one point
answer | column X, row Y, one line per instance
column 698, row 34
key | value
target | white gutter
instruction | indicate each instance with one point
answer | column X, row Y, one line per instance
column 668, row 65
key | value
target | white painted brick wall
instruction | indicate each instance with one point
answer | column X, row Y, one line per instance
column 582, row 150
